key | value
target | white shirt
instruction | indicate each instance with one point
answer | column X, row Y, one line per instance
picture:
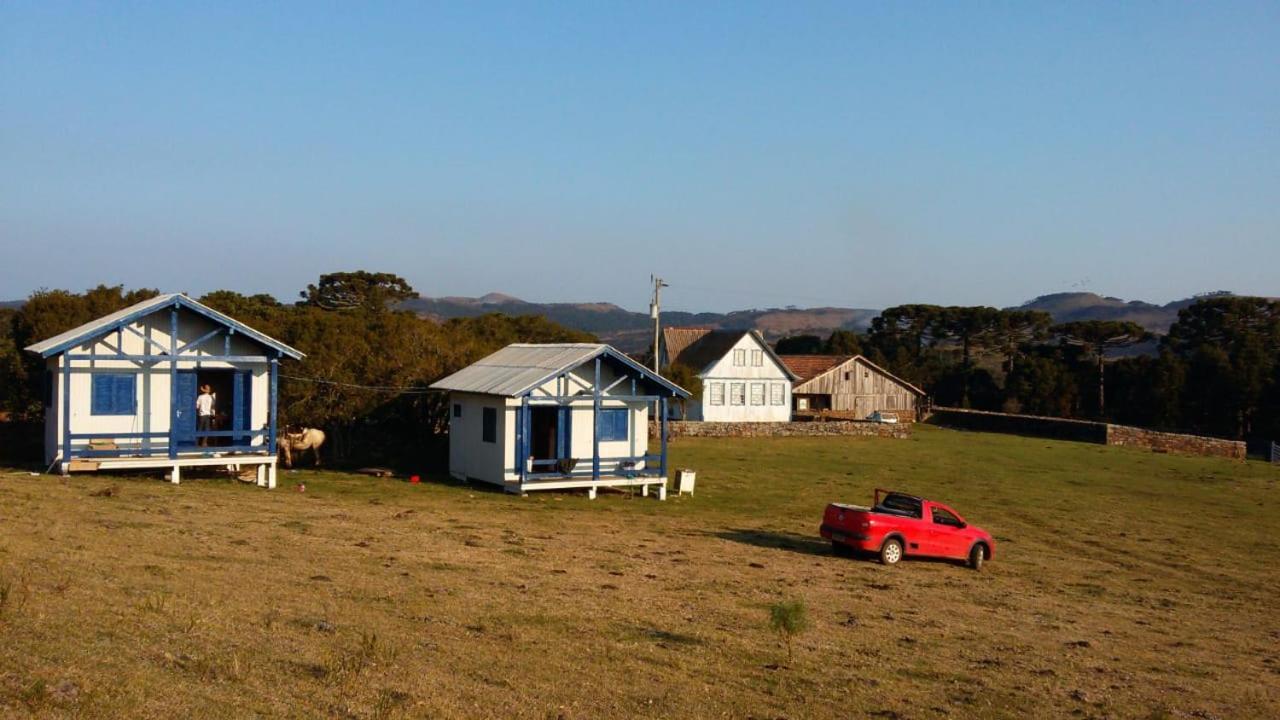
column 204, row 404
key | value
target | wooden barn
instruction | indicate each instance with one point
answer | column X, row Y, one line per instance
column 850, row 386
column 121, row 391
column 557, row 416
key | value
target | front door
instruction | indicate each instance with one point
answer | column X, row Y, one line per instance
column 184, row 404
column 242, row 406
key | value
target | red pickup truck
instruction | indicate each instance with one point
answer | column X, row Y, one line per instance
column 899, row 525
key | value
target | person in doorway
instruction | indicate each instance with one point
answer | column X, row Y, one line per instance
column 204, row 413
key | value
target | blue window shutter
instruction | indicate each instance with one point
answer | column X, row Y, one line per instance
column 113, row 394
column 102, row 402
column 613, row 424
column 489, row 425
column 125, row 395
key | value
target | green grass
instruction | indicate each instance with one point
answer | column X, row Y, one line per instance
column 1125, row 584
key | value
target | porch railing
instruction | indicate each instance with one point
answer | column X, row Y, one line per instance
column 652, row 468
column 145, row 443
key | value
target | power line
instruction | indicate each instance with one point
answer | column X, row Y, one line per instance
column 401, row 389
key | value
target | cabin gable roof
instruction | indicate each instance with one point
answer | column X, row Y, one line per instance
column 520, row 367
column 76, row 336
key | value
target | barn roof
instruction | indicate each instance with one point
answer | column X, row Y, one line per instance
column 79, row 335
column 809, row 367
column 516, row 369
column 698, row 348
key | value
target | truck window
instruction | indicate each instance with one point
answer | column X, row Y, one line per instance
column 942, row 517
column 901, row 505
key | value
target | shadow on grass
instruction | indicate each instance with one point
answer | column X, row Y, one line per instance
column 777, row 540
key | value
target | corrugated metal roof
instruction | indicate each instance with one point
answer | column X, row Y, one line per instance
column 519, row 368
column 78, row 335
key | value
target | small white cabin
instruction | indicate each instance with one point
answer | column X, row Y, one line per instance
column 555, row 416
column 121, row 390
column 743, row 380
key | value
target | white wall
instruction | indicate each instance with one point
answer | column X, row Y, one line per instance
column 725, row 373
column 469, row 455
column 153, row 381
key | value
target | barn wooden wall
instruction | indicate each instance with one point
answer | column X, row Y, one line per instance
column 865, row 390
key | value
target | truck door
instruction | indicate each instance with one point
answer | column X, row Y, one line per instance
column 944, row 536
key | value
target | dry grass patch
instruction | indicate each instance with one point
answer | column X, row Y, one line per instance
column 367, row 598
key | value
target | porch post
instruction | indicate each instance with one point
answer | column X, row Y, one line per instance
column 173, row 384
column 662, row 424
column 522, row 438
column 595, row 425
column 272, row 414
column 66, row 409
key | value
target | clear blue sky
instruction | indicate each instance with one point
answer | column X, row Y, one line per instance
column 754, row 154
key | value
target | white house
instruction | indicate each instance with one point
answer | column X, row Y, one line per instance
column 552, row 416
column 121, row 390
column 742, row 379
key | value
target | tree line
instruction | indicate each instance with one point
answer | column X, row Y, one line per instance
column 368, row 365
column 365, row 377
column 1216, row 372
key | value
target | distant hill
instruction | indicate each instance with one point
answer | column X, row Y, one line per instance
column 1067, row 307
column 632, row 331
column 11, row 304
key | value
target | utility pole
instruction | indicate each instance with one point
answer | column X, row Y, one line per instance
column 654, row 311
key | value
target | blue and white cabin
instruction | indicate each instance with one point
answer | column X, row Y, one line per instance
column 557, row 416
column 121, row 390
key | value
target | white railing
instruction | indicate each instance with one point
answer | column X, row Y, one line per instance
column 1275, row 452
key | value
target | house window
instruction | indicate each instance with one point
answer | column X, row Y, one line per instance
column 740, row 357
column 716, row 393
column 114, row 394
column 848, row 376
column 737, row 393
column 457, row 410
column 613, row 423
column 757, row 358
column 489, row 425
column 757, row 393
column 802, row 403
column 777, row 394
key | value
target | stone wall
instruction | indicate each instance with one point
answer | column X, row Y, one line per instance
column 1087, row 431
column 1175, row 443
column 1031, row 425
column 678, row 429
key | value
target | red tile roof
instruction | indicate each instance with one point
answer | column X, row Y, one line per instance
column 809, row 367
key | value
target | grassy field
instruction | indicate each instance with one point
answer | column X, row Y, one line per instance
column 1126, row 584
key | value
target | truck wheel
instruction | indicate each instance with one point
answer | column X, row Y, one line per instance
column 839, row 549
column 891, row 551
column 976, row 556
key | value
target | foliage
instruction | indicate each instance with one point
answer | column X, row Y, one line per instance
column 687, row 378
column 359, row 289
column 799, row 345
column 789, row 619
column 842, row 342
column 365, row 376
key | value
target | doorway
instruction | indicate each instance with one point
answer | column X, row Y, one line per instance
column 549, row 433
column 232, row 405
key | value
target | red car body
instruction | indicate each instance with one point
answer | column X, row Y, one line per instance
column 900, row 525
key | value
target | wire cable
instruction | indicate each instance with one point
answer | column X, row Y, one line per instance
column 401, row 389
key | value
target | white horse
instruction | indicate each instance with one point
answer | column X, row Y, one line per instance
column 304, row 439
